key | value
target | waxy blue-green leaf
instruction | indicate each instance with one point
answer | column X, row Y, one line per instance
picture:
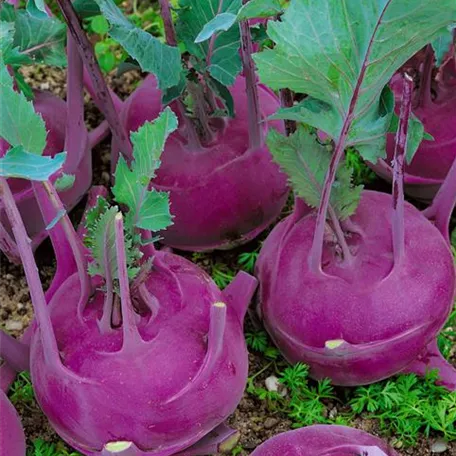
column 306, row 161
column 17, row 162
column 220, row 23
column 20, row 125
column 37, row 8
column 342, row 53
column 64, row 182
column 221, row 54
column 131, row 186
column 86, row 8
column 259, row 9
column 441, row 46
column 152, row 55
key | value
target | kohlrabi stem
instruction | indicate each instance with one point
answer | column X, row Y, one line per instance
column 75, row 126
column 424, row 96
column 398, row 170
column 98, row 134
column 170, row 32
column 149, row 300
column 104, row 324
column 253, row 104
column 338, row 231
column 444, row 203
column 15, row 353
column 286, row 101
column 77, row 249
column 211, row 45
column 87, row 54
column 200, row 109
column 361, row 450
column 131, row 336
column 43, row 319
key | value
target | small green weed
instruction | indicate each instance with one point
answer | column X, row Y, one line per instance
column 362, row 174
column 43, row 448
column 247, row 260
column 22, row 389
column 222, row 274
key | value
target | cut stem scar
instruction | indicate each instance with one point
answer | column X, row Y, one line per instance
column 398, row 170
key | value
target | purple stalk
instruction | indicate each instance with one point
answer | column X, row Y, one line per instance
column 131, row 336
column 77, row 249
column 398, row 170
column 445, row 201
column 75, row 126
column 255, row 134
column 103, row 95
column 170, row 32
column 424, row 93
column 316, row 250
column 15, row 353
column 51, row 352
column 98, row 134
column 118, row 103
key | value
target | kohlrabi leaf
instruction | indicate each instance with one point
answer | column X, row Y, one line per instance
column 86, row 8
column 64, row 182
column 441, row 45
column 131, row 186
column 306, row 162
column 6, row 37
column 342, row 54
column 37, row 8
column 221, row 53
column 152, row 55
column 260, row 9
column 220, row 23
column 20, row 125
column 100, row 239
column 17, row 162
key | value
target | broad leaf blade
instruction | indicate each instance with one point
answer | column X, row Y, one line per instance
column 306, row 161
column 152, row 55
column 225, row 63
column 441, row 46
column 154, row 214
column 37, row 8
column 343, row 54
column 132, row 183
column 41, row 39
column 22, row 164
column 260, row 9
column 20, row 125
column 220, row 23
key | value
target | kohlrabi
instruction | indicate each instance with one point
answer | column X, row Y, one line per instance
column 138, row 352
column 211, row 164
column 324, row 440
column 434, row 104
column 28, row 39
column 360, row 287
column 12, row 438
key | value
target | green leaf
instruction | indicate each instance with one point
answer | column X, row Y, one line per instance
column 306, row 163
column 260, row 9
column 86, row 8
column 41, row 39
column 131, row 187
column 22, row 164
column 152, row 55
column 20, row 125
column 221, row 22
column 6, row 37
column 441, row 46
column 100, row 239
column 64, row 182
column 99, row 25
column 223, row 57
column 342, row 56
column 37, row 8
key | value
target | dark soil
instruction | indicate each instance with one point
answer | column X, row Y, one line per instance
column 253, row 418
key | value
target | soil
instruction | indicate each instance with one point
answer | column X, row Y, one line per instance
column 253, row 418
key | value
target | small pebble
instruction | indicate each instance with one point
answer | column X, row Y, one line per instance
column 439, row 446
column 272, row 383
column 14, row 325
column 269, row 423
